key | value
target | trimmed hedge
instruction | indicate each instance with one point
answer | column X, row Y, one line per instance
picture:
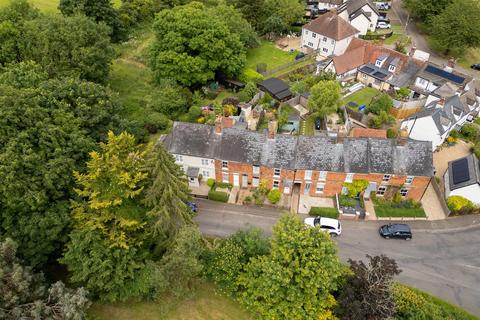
column 324, row 212
column 218, row 196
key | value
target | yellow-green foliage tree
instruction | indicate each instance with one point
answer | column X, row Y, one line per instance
column 356, row 187
column 455, row 203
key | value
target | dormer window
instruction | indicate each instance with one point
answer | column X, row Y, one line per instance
column 378, row 63
column 391, row 68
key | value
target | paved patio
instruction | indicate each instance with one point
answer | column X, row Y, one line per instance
column 306, row 202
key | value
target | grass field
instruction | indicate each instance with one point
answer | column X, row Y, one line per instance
column 48, row 5
column 205, row 305
column 269, row 54
column 363, row 96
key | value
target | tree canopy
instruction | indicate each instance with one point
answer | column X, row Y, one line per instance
column 25, row 295
column 325, row 97
column 192, row 45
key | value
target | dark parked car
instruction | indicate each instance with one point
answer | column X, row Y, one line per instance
column 193, row 206
column 475, row 66
column 299, row 55
column 396, row 230
column 318, row 124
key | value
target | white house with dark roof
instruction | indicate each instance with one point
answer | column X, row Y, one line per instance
column 329, row 34
column 329, row 4
column 463, row 179
column 361, row 14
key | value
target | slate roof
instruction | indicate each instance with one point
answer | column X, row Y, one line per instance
column 472, row 166
column 355, row 155
column 353, row 6
column 438, row 79
column 332, row 26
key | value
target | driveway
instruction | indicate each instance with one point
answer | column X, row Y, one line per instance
column 443, row 257
column 445, row 155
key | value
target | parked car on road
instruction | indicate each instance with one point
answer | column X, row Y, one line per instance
column 193, row 206
column 332, row 226
column 396, row 230
column 475, row 66
column 383, row 25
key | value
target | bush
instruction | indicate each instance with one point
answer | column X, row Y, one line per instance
column 274, row 196
column 471, row 132
column 247, row 200
column 456, row 203
column 156, row 121
column 231, row 101
column 356, row 187
column 248, row 92
column 194, row 113
column 324, row 212
column 211, row 182
column 218, row 196
column 346, row 201
column 223, row 185
column 383, row 103
column 250, row 75
column 476, row 149
column 397, row 198
column 391, row 133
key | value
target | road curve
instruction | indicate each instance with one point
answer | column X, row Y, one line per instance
column 444, row 262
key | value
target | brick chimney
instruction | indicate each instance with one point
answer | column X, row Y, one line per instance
column 451, row 63
column 441, row 102
column 218, row 125
column 272, row 128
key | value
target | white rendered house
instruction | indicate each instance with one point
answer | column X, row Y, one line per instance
column 361, row 14
column 463, row 179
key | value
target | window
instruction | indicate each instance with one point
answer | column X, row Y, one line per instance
column 325, row 50
column 204, row 162
column 314, row 35
column 192, row 179
column 333, row 41
column 403, row 192
column 320, row 187
column 422, row 81
column 308, row 174
column 378, row 63
column 225, row 177
column 324, row 39
column 310, row 44
column 371, row 25
column 322, row 176
column 391, row 68
column 255, row 182
column 381, row 191
column 178, row 158
column 276, row 183
column 205, row 174
column 225, row 164
column 409, row 180
column 276, row 172
column 386, row 177
column 256, row 170
column 349, row 177
column 306, row 31
column 364, row 76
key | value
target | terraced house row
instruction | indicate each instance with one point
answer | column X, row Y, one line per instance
column 315, row 166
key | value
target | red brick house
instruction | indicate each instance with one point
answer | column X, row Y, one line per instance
column 316, row 166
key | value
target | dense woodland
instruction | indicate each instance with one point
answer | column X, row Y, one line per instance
column 85, row 194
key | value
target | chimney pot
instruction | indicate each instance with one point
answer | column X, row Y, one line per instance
column 218, row 125
column 272, row 128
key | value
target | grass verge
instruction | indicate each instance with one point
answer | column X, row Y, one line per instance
column 204, row 305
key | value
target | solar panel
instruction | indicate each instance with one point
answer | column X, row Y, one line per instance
column 366, row 69
column 444, row 74
column 460, row 171
column 379, row 75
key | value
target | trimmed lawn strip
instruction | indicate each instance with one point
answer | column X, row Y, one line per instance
column 324, row 212
column 49, row 5
column 204, row 305
column 309, row 124
column 269, row 54
column 363, row 96
column 383, row 210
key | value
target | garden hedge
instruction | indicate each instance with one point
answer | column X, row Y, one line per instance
column 324, row 212
column 218, row 196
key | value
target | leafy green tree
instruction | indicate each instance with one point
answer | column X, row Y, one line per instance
column 252, row 10
column 382, row 103
column 425, row 10
column 286, row 11
column 456, row 28
column 172, row 100
column 382, row 119
column 325, row 97
column 25, row 74
column 25, row 295
column 133, row 12
column 305, row 261
column 368, row 292
column 192, row 45
column 167, row 197
column 99, row 11
column 66, row 46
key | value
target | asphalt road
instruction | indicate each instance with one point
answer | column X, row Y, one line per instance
column 445, row 262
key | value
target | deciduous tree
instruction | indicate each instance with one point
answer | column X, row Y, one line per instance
column 325, row 97
column 297, row 278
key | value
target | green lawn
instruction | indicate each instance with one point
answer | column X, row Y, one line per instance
column 48, row 5
column 398, row 34
column 269, row 54
column 307, row 126
column 384, row 210
column 205, row 305
column 363, row 96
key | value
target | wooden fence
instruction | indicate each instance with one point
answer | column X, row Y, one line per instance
column 287, row 65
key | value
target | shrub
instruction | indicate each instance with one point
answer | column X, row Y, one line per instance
column 156, row 121
column 403, row 92
column 248, row 200
column 324, row 212
column 391, row 133
column 229, row 110
column 356, row 187
column 397, row 198
column 455, row 203
column 194, row 113
column 218, row 196
column 274, row 196
column 211, row 182
column 455, row 134
column 230, row 101
column 250, row 75
column 346, row 201
column 471, row 132
column 248, row 92
column 383, row 103
column 223, row 185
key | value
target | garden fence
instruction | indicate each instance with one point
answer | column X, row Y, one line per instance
column 287, row 65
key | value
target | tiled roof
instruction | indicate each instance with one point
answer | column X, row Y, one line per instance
column 352, row 6
column 368, row 133
column 332, row 26
column 356, row 155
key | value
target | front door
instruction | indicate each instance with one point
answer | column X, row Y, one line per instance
column 236, row 180
column 307, row 188
column 244, row 181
